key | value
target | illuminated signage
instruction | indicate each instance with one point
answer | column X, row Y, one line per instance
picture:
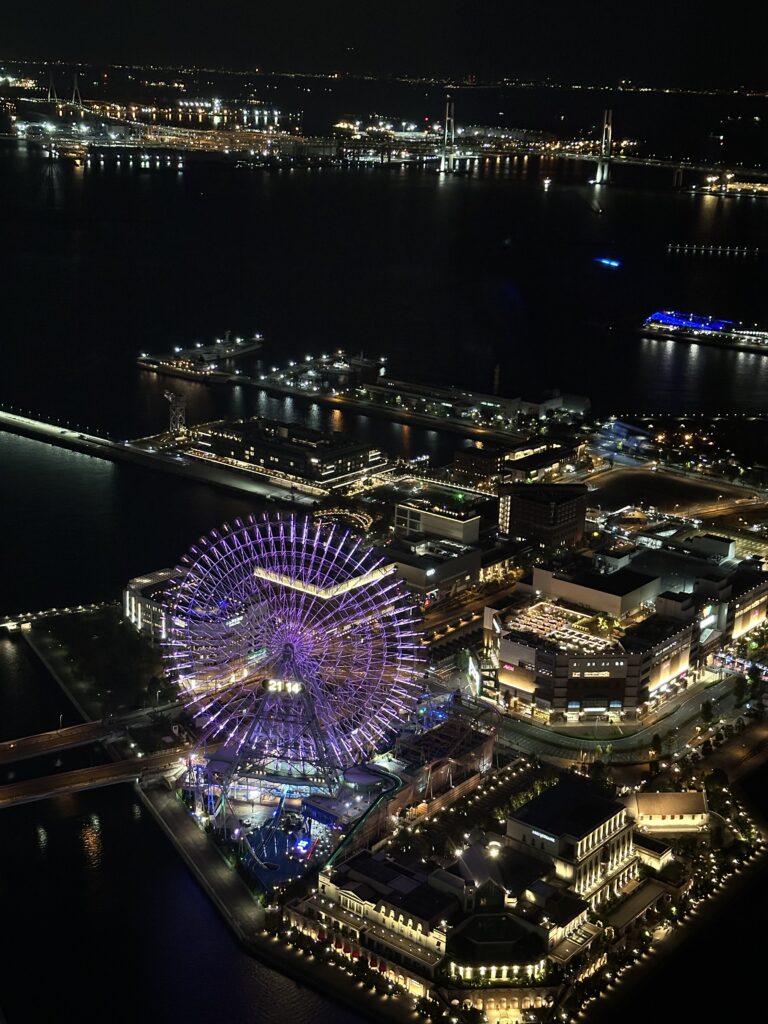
column 543, row 835
column 473, row 671
column 282, row 686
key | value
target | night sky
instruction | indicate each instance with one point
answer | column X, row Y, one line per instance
column 659, row 41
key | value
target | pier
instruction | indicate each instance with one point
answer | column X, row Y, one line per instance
column 21, row 619
column 136, row 454
column 694, row 249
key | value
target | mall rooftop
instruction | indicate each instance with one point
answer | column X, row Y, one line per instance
column 562, row 627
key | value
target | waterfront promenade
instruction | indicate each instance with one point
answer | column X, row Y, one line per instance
column 247, row 917
column 136, row 454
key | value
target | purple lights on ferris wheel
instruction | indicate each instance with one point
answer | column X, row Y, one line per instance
column 295, row 646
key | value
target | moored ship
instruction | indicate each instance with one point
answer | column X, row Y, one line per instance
column 705, row 330
column 202, row 362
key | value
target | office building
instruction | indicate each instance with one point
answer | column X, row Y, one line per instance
column 439, row 510
column 434, row 568
column 553, row 515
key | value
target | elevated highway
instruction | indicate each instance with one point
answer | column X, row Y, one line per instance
column 57, row 740
column 135, row 769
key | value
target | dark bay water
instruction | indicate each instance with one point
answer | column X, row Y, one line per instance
column 446, row 277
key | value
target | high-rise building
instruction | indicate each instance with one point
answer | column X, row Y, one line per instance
column 552, row 514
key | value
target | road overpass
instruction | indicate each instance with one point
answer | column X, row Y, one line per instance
column 134, row 769
column 56, row 740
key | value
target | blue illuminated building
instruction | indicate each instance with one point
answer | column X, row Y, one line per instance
column 687, row 321
column 606, row 262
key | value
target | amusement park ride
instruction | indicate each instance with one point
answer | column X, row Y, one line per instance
column 297, row 651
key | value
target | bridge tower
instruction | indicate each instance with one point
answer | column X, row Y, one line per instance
column 52, row 89
column 77, row 99
column 449, row 134
column 178, row 405
column 604, row 160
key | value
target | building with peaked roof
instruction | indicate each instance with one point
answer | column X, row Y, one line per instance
column 670, row 812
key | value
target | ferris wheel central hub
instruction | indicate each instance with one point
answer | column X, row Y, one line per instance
column 283, row 686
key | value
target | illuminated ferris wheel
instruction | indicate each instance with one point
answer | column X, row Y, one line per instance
column 295, row 646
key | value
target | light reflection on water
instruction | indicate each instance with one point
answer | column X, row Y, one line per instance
column 90, row 835
column 42, row 840
column 118, row 921
column 503, row 275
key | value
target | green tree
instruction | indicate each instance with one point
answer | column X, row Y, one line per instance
column 740, row 690
column 756, row 684
column 707, row 712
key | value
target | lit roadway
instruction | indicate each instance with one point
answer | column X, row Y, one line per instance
column 13, row 622
column 55, row 740
column 537, row 739
column 66, row 783
column 467, row 604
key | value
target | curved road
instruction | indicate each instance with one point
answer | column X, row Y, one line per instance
column 536, row 739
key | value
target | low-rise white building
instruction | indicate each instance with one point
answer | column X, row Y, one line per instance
column 670, row 812
column 144, row 603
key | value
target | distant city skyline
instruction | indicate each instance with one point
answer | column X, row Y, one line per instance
column 655, row 43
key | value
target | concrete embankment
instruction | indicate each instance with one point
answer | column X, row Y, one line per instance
column 246, row 917
column 126, row 451
column 35, row 646
column 386, row 412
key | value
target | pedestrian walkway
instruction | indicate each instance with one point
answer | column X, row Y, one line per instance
column 247, row 917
